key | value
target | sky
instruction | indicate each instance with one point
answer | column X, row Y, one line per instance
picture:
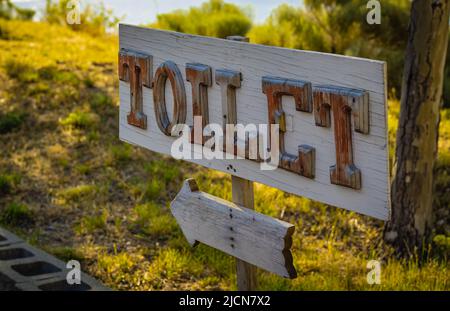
column 145, row 11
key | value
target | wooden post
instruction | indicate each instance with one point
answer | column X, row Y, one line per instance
column 243, row 195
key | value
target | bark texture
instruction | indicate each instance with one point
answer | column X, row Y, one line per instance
column 417, row 136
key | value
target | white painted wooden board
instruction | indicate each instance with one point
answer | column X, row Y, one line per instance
column 238, row 231
column 370, row 151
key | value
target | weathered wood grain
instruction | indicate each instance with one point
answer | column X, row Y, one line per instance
column 344, row 103
column 253, row 62
column 303, row 162
column 136, row 69
column 168, row 70
column 238, row 231
column 244, row 195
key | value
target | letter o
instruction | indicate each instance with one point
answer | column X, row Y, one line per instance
column 169, row 70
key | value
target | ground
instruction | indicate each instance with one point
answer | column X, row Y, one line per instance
column 69, row 186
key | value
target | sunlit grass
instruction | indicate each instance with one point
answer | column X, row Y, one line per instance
column 80, row 192
column 80, row 119
column 91, row 223
column 152, row 220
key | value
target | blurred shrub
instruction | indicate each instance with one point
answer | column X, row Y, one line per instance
column 10, row 11
column 214, row 18
column 339, row 26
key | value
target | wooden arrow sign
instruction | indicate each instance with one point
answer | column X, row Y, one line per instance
column 238, row 231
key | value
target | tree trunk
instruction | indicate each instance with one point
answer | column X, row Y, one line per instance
column 412, row 186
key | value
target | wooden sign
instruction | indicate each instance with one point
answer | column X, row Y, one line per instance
column 238, row 231
column 330, row 111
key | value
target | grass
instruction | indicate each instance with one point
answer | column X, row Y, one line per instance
column 76, row 194
column 154, row 221
column 70, row 185
column 20, row 71
column 16, row 214
column 90, row 224
column 80, row 120
column 11, row 121
column 121, row 153
column 8, row 182
column 66, row 253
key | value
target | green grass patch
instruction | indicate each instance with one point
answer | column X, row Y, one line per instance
column 173, row 264
column 8, row 182
column 80, row 120
column 11, row 121
column 166, row 169
column 67, row 78
column 20, row 71
column 99, row 100
column 121, row 152
column 92, row 223
column 83, row 169
column 48, row 72
column 88, row 82
column 77, row 194
column 442, row 245
column 154, row 190
column 51, row 73
column 39, row 88
column 16, row 214
column 117, row 269
column 66, row 253
column 152, row 220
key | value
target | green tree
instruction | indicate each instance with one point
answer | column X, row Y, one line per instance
column 340, row 26
column 214, row 18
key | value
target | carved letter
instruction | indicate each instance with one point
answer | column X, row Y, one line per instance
column 228, row 81
column 169, row 70
column 136, row 68
column 275, row 88
column 343, row 102
column 200, row 78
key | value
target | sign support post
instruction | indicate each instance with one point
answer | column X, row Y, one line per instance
column 243, row 194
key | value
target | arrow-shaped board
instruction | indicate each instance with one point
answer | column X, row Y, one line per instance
column 238, row 231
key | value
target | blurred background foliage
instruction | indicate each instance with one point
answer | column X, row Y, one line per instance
column 214, row 18
column 10, row 11
column 332, row 26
